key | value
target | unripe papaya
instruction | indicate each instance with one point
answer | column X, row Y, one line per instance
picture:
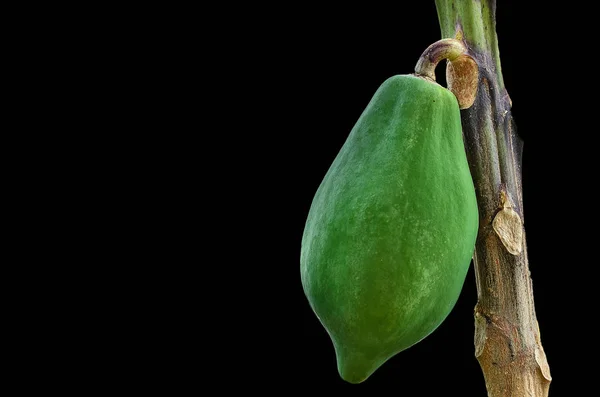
column 391, row 230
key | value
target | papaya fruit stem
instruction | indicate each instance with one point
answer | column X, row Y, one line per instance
column 449, row 49
column 508, row 346
column 462, row 72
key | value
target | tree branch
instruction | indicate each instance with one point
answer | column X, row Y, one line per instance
column 507, row 336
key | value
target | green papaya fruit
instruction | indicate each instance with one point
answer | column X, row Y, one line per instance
column 391, row 230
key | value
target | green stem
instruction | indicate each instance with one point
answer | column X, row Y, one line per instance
column 507, row 338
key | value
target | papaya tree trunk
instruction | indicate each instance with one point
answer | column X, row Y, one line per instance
column 507, row 336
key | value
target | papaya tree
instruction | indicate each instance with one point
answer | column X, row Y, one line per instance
column 428, row 180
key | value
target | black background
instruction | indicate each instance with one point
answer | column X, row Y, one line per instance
column 305, row 75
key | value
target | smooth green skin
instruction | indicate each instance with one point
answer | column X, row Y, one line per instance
column 391, row 230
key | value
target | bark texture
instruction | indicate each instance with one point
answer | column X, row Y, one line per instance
column 507, row 337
